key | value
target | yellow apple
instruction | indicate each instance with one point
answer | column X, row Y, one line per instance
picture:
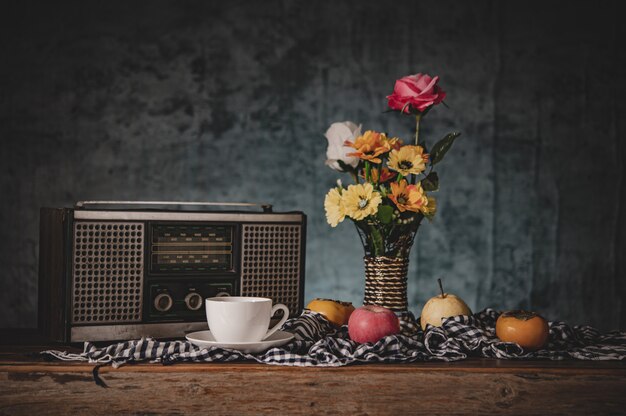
column 442, row 306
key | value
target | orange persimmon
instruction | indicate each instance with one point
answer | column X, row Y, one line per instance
column 335, row 311
column 528, row 329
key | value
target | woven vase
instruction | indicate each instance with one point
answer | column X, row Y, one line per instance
column 385, row 282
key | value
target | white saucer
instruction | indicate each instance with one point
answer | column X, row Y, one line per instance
column 204, row 339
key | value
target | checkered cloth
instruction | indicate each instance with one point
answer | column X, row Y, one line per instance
column 318, row 343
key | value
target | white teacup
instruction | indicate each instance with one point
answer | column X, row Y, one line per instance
column 242, row 319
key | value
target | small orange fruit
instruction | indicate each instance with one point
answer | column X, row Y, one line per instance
column 528, row 329
column 335, row 311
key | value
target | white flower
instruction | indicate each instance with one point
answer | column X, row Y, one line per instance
column 337, row 134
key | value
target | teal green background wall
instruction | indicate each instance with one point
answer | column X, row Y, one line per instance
column 228, row 101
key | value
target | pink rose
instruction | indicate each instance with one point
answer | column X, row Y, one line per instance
column 419, row 91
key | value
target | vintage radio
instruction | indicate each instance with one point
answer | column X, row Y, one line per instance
column 114, row 270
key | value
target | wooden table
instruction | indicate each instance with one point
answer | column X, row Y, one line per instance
column 30, row 386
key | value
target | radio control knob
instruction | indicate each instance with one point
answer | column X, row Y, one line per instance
column 163, row 302
column 193, row 301
column 222, row 294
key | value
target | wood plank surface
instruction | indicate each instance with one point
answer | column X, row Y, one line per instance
column 30, row 385
column 476, row 365
column 353, row 390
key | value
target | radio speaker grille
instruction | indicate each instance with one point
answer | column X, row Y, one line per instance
column 107, row 282
column 271, row 263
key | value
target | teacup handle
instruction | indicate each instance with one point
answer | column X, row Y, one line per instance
column 282, row 320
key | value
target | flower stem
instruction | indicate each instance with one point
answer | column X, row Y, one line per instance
column 368, row 169
column 417, row 128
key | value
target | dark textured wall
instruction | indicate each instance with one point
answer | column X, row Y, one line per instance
column 228, row 101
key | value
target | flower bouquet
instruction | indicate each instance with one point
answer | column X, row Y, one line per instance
column 390, row 194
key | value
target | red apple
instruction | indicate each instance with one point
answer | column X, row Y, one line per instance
column 370, row 323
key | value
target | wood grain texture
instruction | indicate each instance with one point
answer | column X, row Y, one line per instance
column 486, row 366
column 31, row 385
column 363, row 390
column 52, row 288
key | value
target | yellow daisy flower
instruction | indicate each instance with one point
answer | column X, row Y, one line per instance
column 408, row 159
column 360, row 201
column 408, row 197
column 334, row 209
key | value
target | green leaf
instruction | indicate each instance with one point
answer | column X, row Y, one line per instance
column 431, row 182
column 343, row 165
column 385, row 214
column 440, row 148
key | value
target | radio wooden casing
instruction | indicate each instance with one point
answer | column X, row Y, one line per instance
column 117, row 274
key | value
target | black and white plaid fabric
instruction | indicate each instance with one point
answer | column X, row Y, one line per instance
column 318, row 343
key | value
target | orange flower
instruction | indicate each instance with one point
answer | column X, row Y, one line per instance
column 429, row 208
column 408, row 197
column 369, row 146
column 395, row 143
column 384, row 176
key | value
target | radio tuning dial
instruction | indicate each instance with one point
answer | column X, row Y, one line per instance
column 193, row 301
column 163, row 302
